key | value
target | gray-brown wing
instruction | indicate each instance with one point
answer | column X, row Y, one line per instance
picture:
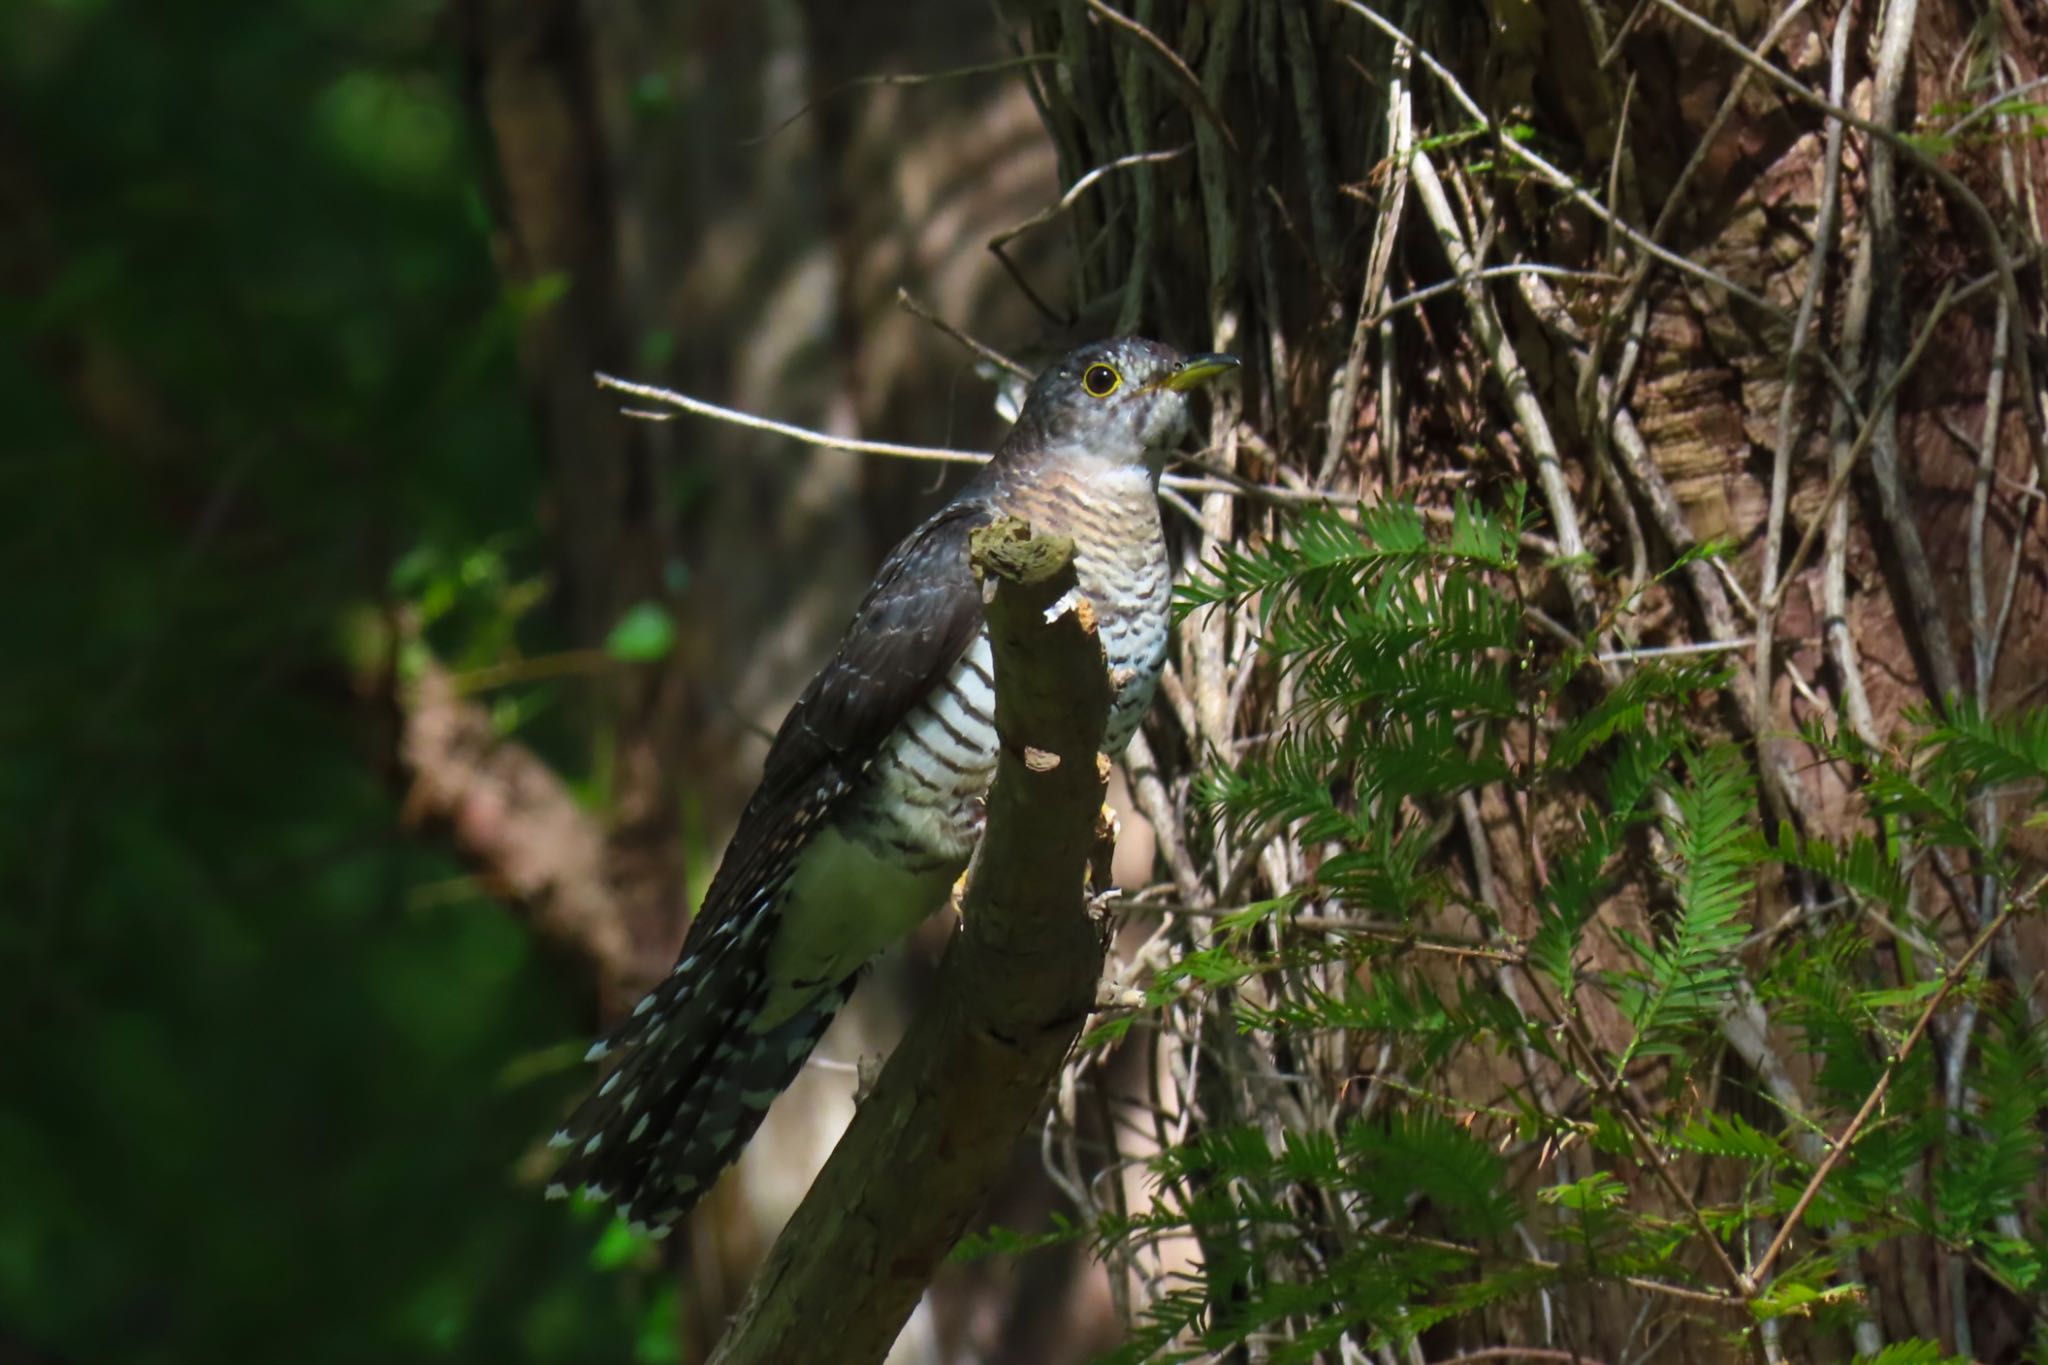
column 919, row 616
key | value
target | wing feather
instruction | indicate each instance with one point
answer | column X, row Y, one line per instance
column 919, row 616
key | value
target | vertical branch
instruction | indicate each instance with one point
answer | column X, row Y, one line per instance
column 1894, row 48
column 1789, row 423
column 1834, row 570
column 1522, row 400
column 1400, row 136
column 1209, row 654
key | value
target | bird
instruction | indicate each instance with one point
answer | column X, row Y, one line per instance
column 871, row 798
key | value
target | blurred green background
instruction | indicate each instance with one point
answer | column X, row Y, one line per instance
column 299, row 303
column 270, row 1064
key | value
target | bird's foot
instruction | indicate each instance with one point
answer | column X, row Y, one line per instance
column 1101, row 902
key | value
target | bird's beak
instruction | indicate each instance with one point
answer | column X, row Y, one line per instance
column 1198, row 370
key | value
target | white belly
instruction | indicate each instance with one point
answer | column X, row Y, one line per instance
column 846, row 902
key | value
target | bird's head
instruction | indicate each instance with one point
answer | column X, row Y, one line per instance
column 1123, row 401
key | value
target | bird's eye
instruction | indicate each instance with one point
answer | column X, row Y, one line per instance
column 1100, row 380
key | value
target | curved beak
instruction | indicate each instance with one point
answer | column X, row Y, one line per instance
column 1198, row 370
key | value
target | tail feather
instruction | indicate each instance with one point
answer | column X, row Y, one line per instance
column 724, row 1107
column 692, row 1081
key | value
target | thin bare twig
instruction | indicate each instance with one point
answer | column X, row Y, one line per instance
column 1224, row 482
column 822, row 440
column 1855, row 315
column 1386, row 232
column 1959, row 971
column 918, row 309
column 910, row 80
column 1696, row 647
column 1080, row 187
column 1788, row 400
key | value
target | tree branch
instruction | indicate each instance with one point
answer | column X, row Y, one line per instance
column 927, row 1147
column 512, row 816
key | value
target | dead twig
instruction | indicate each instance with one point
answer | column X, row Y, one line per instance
column 1077, row 189
column 1759, row 1276
column 909, row 81
column 917, row 308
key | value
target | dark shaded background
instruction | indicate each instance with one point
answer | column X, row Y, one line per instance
column 298, row 305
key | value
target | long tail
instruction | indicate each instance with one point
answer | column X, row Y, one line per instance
column 692, row 1082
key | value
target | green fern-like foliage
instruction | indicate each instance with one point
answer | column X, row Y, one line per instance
column 1523, row 1032
column 1681, row 983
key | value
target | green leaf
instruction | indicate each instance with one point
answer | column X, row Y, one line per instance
column 1001, row 1241
column 1570, row 899
column 1995, row 750
column 642, row 636
column 1625, row 709
column 1864, row 867
column 1788, row 1297
column 1730, row 1135
column 1685, row 982
column 1596, row 1193
column 1412, row 1152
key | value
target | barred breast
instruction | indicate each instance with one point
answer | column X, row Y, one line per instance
column 909, row 829
column 1120, row 560
column 928, row 782
column 925, row 802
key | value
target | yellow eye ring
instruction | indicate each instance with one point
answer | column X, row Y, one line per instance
column 1101, row 380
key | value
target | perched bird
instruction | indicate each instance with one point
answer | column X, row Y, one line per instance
column 871, row 800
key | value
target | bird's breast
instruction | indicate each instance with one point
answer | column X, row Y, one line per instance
column 1121, row 564
column 923, row 802
column 923, row 797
